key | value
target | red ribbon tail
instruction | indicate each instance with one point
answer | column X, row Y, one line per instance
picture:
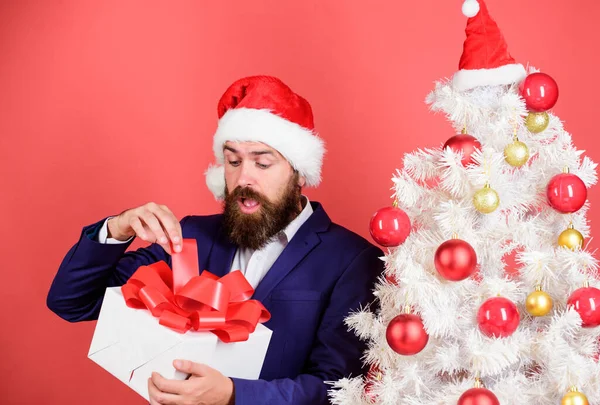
column 185, row 264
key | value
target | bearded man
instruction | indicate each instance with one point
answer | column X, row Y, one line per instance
column 309, row 272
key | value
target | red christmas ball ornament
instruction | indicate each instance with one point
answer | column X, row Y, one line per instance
column 498, row 317
column 467, row 144
column 455, row 260
column 478, row 396
column 373, row 375
column 586, row 301
column 406, row 334
column 540, row 92
column 566, row 193
column 391, row 278
column 389, row 226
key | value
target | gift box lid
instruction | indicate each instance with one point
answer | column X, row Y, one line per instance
column 126, row 339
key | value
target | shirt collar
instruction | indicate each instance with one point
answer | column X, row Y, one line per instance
column 293, row 226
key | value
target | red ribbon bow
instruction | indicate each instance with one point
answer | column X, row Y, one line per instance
column 184, row 300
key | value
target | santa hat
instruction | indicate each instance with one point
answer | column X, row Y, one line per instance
column 485, row 60
column 264, row 109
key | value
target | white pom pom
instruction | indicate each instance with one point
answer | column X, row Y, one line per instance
column 470, row 8
column 215, row 180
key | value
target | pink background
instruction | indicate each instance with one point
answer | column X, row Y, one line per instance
column 105, row 105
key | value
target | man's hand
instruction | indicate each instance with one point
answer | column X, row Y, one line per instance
column 151, row 222
column 205, row 386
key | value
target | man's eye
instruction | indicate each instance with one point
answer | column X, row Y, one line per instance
column 261, row 166
column 234, row 163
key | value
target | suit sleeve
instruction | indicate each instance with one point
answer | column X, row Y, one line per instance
column 89, row 267
column 336, row 352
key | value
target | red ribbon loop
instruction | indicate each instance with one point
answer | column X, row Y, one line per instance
column 183, row 299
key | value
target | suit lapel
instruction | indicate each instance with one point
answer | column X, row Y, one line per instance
column 221, row 255
column 305, row 240
column 287, row 260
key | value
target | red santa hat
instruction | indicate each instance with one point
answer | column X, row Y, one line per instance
column 485, row 60
column 264, row 109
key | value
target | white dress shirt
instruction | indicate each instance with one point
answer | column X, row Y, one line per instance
column 254, row 264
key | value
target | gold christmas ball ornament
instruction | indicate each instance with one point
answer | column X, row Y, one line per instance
column 574, row 397
column 516, row 154
column 571, row 238
column 539, row 303
column 537, row 122
column 486, row 200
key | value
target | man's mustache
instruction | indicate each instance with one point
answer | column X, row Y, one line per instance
column 247, row 192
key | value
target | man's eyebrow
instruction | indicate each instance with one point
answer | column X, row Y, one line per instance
column 253, row 153
column 262, row 152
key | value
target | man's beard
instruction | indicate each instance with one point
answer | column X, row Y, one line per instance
column 255, row 230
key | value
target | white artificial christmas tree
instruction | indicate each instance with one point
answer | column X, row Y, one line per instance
column 500, row 188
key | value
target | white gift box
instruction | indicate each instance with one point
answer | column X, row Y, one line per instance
column 131, row 344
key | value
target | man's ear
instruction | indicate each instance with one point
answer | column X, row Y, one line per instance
column 301, row 181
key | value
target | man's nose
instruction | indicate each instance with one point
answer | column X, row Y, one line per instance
column 246, row 175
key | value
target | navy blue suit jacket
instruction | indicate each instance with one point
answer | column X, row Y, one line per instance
column 325, row 272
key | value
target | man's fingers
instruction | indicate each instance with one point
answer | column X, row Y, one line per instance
column 152, row 222
column 145, row 233
column 170, row 224
column 156, row 223
column 168, row 386
column 157, row 397
column 138, row 227
column 190, row 367
column 178, row 237
column 152, row 393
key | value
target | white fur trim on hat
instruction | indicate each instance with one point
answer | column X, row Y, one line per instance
column 301, row 147
column 507, row 74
